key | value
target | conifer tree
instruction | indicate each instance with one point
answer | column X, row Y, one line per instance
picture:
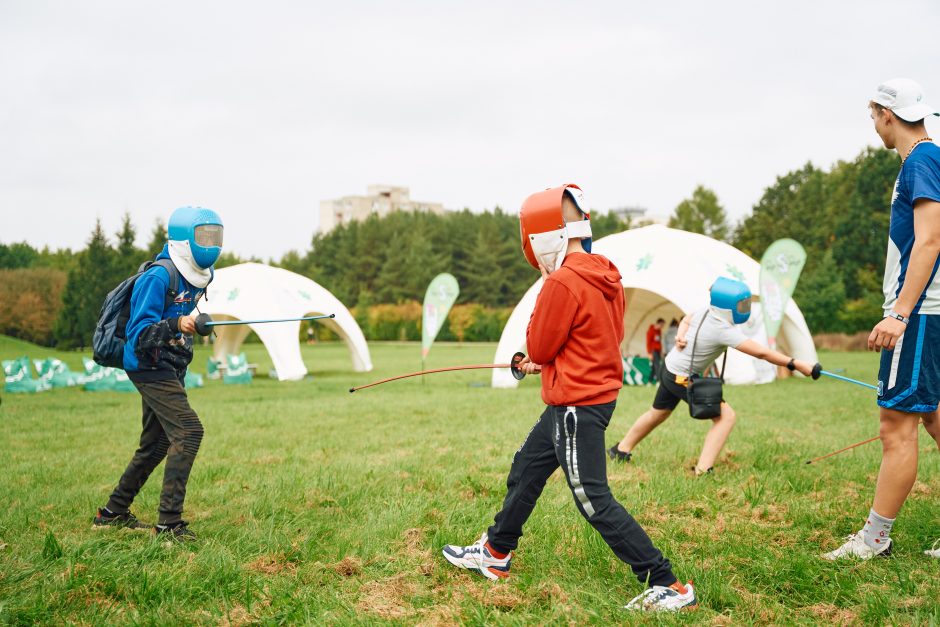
column 89, row 281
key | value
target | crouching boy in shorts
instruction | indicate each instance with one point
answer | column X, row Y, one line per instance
column 707, row 333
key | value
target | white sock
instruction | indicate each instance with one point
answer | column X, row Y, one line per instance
column 877, row 530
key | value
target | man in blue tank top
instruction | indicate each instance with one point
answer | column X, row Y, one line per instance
column 909, row 334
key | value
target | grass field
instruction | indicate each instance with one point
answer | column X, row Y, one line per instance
column 317, row 506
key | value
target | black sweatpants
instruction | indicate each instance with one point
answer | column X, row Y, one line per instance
column 171, row 429
column 573, row 438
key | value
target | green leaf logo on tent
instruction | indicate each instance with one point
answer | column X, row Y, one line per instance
column 733, row 271
column 644, row 262
column 233, row 294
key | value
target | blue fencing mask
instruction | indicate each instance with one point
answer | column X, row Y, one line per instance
column 734, row 296
column 195, row 243
column 202, row 229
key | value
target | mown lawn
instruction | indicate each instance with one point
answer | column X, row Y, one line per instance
column 317, row 506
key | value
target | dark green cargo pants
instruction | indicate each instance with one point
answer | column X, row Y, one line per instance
column 171, row 429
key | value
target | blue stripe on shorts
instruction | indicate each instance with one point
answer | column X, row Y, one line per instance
column 909, row 376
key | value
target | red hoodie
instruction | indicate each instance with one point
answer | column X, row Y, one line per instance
column 575, row 332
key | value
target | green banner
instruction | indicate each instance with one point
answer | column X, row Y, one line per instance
column 780, row 269
column 441, row 294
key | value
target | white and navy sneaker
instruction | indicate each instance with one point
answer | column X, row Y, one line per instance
column 934, row 552
column 855, row 548
column 665, row 599
column 477, row 557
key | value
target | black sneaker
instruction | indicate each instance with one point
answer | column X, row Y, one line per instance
column 107, row 518
column 178, row 531
column 617, row 455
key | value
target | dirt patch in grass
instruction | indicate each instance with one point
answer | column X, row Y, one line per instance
column 236, row 616
column 551, row 593
column 275, row 564
column 922, row 489
column 389, row 598
column 831, row 613
column 502, row 597
column 772, row 513
column 348, row 566
column 91, row 596
column 440, row 617
column 411, row 540
column 412, row 549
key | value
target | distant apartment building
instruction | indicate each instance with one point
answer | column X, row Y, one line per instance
column 637, row 216
column 379, row 199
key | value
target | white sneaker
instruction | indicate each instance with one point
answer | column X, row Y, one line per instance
column 478, row 558
column 934, row 552
column 855, row 548
column 664, row 599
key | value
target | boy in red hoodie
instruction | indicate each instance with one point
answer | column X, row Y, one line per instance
column 573, row 339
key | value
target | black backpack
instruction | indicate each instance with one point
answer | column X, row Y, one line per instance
column 110, row 332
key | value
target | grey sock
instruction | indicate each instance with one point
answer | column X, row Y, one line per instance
column 877, row 530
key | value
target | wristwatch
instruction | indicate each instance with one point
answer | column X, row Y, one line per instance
column 897, row 316
column 791, row 365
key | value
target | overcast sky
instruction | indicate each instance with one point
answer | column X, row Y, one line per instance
column 259, row 110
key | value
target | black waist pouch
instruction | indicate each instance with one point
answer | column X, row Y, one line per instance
column 704, row 393
column 704, row 397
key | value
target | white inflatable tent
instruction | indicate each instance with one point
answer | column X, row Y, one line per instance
column 666, row 273
column 254, row 291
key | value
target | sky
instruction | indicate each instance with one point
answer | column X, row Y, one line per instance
column 260, row 110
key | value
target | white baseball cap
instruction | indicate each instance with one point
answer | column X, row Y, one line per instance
column 905, row 98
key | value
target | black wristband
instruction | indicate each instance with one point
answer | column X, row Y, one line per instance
column 791, row 365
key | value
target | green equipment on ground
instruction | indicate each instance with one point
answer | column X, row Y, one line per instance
column 193, row 380
column 105, row 379
column 56, row 374
column 237, row 370
column 18, row 378
column 213, row 369
column 636, row 370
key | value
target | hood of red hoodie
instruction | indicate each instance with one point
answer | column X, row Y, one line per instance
column 597, row 270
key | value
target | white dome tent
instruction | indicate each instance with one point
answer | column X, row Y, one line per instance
column 254, row 291
column 666, row 273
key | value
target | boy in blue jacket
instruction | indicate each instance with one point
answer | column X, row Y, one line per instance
column 158, row 349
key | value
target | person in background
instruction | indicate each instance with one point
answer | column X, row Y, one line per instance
column 654, row 348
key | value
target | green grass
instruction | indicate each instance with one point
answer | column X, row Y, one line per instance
column 317, row 506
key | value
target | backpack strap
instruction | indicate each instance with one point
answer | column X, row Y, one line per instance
column 174, row 287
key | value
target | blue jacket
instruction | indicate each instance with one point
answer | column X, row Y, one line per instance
column 154, row 348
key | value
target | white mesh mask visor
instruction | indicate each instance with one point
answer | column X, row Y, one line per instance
column 550, row 247
column 208, row 235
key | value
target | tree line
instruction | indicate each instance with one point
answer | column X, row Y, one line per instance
column 840, row 216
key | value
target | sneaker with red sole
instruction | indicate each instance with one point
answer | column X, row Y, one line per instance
column 665, row 599
column 479, row 557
